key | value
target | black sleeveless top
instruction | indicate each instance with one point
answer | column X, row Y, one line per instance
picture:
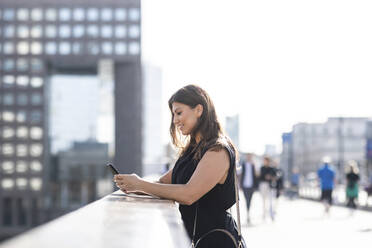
column 212, row 206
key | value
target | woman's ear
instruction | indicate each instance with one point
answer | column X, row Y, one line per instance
column 199, row 110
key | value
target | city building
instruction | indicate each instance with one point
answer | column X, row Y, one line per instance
column 79, row 177
column 42, row 38
column 153, row 147
column 232, row 129
column 342, row 139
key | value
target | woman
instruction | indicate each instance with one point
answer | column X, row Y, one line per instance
column 352, row 188
column 203, row 178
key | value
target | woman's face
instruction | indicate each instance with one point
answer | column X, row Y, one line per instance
column 185, row 117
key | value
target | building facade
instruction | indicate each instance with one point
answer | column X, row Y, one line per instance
column 342, row 139
column 40, row 38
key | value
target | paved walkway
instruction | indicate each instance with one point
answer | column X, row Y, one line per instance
column 302, row 223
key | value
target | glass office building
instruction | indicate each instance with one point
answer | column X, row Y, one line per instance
column 39, row 38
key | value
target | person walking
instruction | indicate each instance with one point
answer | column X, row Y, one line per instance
column 267, row 186
column 352, row 187
column 327, row 177
column 248, row 181
column 202, row 180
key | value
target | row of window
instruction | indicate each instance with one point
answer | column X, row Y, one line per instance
column 22, row 132
column 66, row 31
column 21, row 64
column 22, row 116
column 74, row 14
column 21, row 166
column 65, row 48
column 22, row 150
column 21, row 183
column 22, row 99
column 22, row 81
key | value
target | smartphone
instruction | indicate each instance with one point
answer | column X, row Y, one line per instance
column 112, row 169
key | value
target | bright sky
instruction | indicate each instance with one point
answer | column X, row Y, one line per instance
column 274, row 62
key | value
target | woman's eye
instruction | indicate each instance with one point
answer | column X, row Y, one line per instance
column 179, row 113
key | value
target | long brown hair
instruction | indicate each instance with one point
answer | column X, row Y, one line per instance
column 207, row 125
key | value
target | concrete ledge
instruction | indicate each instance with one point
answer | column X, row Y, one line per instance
column 116, row 220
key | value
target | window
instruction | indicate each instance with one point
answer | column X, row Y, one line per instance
column 36, row 14
column 106, row 14
column 8, row 133
column 36, row 133
column 36, row 150
column 92, row 48
column 36, row 47
column 8, row 14
column 22, row 64
column 8, row 65
column 21, row 167
column 22, row 81
column 36, row 117
column 120, row 14
column 21, row 150
column 92, row 31
column 120, row 48
column 106, row 31
column 120, row 31
column 7, row 183
column 50, row 31
column 9, row 31
column 107, row 47
column 35, row 184
column 64, row 14
column 22, row 31
column 21, row 184
column 134, row 31
column 50, row 48
column 79, row 14
column 7, row 167
column 36, row 31
column 8, row 47
column 22, row 14
column 22, row 48
column 76, row 48
column 50, row 14
column 21, row 116
column 64, row 48
column 8, row 99
column 36, row 82
column 8, row 81
column 134, row 48
column 92, row 14
column 134, row 14
column 8, row 116
column 35, row 166
column 22, row 99
column 36, row 98
column 22, row 132
column 36, row 65
column 64, row 31
column 8, row 149
column 78, row 31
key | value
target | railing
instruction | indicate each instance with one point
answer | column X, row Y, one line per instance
column 339, row 195
column 113, row 221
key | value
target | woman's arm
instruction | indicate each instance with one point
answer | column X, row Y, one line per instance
column 211, row 169
column 166, row 178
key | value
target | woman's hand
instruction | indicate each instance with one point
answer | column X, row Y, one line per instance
column 128, row 183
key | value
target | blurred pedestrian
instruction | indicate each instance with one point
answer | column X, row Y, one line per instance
column 248, row 181
column 295, row 181
column 352, row 187
column 327, row 180
column 267, row 187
